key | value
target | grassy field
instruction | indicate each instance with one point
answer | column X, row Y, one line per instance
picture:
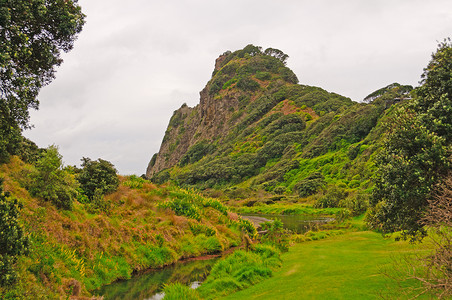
column 348, row 266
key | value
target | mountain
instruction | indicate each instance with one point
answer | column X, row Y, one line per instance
column 257, row 128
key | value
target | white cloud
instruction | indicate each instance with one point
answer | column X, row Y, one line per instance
column 137, row 61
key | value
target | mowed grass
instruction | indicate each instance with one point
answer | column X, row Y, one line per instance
column 349, row 266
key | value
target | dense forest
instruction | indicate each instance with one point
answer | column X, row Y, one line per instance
column 259, row 142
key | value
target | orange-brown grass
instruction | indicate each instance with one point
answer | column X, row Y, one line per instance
column 95, row 249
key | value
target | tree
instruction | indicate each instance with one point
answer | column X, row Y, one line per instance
column 50, row 182
column 13, row 241
column 97, row 175
column 277, row 53
column 33, row 33
column 416, row 152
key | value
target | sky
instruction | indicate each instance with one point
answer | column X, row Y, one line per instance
column 137, row 61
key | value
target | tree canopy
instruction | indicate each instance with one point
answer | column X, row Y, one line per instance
column 33, row 33
column 417, row 151
column 97, row 176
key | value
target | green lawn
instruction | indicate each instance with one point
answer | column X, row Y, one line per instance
column 348, row 266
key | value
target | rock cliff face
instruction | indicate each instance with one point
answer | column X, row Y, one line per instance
column 208, row 121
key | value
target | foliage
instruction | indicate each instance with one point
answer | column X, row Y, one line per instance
column 357, row 204
column 190, row 204
column 276, row 235
column 435, row 272
column 310, row 185
column 134, row 182
column 33, row 35
column 332, row 197
column 49, row 181
column 13, row 240
column 97, row 175
column 263, row 75
column 179, row 291
column 196, row 152
column 161, row 177
column 277, row 53
column 183, row 207
column 248, row 227
column 390, row 92
column 240, row 270
column 417, row 151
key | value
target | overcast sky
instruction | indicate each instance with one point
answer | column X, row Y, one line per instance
column 137, row 61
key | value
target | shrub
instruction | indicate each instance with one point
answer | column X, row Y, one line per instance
column 247, row 84
column 196, row 152
column 248, row 227
column 310, row 185
column 357, row 205
column 134, row 182
column 332, row 198
column 13, row 241
column 263, row 75
column 50, row 182
column 276, row 235
column 161, row 177
column 97, row 175
column 182, row 207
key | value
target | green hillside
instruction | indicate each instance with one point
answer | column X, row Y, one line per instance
column 139, row 226
column 257, row 129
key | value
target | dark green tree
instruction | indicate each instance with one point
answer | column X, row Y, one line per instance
column 33, row 33
column 13, row 241
column 97, row 175
column 417, row 150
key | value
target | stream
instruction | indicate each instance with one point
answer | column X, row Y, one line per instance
column 149, row 285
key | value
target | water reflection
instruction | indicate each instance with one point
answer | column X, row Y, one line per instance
column 295, row 223
column 148, row 286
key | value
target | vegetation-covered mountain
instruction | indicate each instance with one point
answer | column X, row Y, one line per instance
column 258, row 139
column 256, row 128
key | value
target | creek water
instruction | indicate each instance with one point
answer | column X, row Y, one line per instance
column 149, row 285
column 295, row 223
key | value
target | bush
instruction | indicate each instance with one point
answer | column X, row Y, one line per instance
column 13, row 241
column 357, row 205
column 134, row 182
column 276, row 235
column 247, row 84
column 248, row 227
column 196, row 152
column 161, row 177
column 332, row 198
column 97, row 175
column 263, row 75
column 50, row 182
column 310, row 185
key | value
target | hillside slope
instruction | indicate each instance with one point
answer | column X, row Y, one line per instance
column 140, row 226
column 256, row 128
